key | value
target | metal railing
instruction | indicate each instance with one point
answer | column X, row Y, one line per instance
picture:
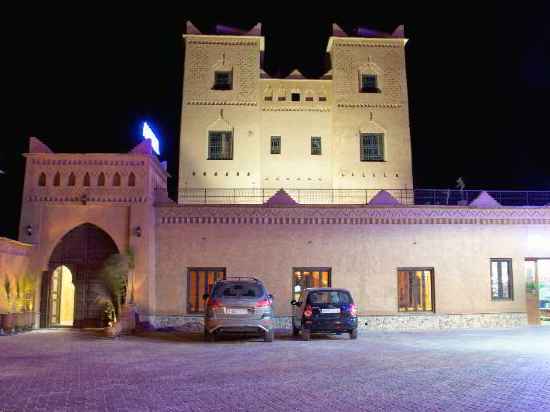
column 362, row 196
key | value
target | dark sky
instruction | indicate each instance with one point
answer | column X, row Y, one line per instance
column 479, row 83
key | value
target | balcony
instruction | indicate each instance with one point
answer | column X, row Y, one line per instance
column 409, row 197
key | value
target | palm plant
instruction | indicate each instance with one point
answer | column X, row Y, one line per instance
column 7, row 289
column 115, row 277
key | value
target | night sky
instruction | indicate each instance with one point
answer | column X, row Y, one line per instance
column 479, row 84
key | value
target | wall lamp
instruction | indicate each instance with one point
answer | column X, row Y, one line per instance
column 137, row 231
column 29, row 230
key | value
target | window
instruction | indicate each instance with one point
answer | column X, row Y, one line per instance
column 303, row 278
column 220, row 146
column 268, row 98
column 281, row 98
column 316, row 145
column 322, row 98
column 101, row 179
column 415, row 290
column 372, row 147
column 223, row 80
column 42, row 179
column 86, row 179
column 369, row 83
column 199, row 282
column 275, row 144
column 295, row 97
column 309, row 98
column 57, row 179
column 132, row 179
column 72, row 180
column 116, row 179
column 501, row 279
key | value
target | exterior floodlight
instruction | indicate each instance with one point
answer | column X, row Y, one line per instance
column 148, row 134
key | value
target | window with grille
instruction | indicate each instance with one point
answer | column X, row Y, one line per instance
column 303, row 278
column 416, row 290
column 223, row 80
column 372, row 147
column 295, row 97
column 369, row 83
column 275, row 144
column 315, row 145
column 501, row 279
column 199, row 282
column 220, row 146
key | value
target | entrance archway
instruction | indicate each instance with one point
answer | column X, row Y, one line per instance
column 538, row 290
column 78, row 256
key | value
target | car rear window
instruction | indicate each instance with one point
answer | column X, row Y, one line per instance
column 238, row 290
column 333, row 297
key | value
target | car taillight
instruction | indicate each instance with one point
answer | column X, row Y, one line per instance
column 353, row 309
column 263, row 303
column 308, row 312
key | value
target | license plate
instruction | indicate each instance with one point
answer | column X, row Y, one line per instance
column 238, row 311
column 335, row 310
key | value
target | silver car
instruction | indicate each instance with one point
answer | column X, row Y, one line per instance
column 238, row 305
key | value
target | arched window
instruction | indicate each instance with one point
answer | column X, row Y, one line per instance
column 72, row 179
column 42, row 179
column 101, row 179
column 132, row 179
column 87, row 179
column 116, row 179
column 57, row 179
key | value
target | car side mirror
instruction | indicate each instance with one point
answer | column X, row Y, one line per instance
column 205, row 296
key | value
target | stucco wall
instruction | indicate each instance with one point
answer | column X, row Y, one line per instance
column 14, row 264
column 364, row 253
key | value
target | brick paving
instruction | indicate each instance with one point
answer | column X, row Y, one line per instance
column 453, row 370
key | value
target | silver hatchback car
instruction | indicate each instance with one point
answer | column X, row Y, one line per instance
column 239, row 305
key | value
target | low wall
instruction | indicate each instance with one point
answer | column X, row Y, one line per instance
column 14, row 263
column 388, row 322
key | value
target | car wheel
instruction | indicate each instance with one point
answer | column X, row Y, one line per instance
column 353, row 334
column 269, row 335
column 306, row 334
column 209, row 337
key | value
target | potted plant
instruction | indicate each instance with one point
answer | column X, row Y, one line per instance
column 8, row 318
column 29, row 289
column 115, row 277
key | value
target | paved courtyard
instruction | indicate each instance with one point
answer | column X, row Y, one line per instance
column 455, row 370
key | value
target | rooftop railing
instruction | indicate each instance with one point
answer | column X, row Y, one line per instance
column 447, row 197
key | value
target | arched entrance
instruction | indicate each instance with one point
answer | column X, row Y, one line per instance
column 78, row 256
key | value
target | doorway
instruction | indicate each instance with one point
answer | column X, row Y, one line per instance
column 538, row 290
column 62, row 297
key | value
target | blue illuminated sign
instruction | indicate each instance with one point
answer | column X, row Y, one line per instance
column 148, row 134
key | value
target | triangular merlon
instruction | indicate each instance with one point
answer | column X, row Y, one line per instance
column 337, row 31
column 191, row 28
column 383, row 198
column 255, row 31
column 36, row 146
column 399, row 31
column 144, row 147
column 484, row 200
column 281, row 198
column 295, row 74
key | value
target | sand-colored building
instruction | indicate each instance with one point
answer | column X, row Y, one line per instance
column 331, row 144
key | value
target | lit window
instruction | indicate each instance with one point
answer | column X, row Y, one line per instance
column 223, row 80
column 372, row 147
column 315, row 145
column 369, row 83
column 199, row 282
column 220, row 146
column 501, row 279
column 275, row 144
column 303, row 278
column 415, row 289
